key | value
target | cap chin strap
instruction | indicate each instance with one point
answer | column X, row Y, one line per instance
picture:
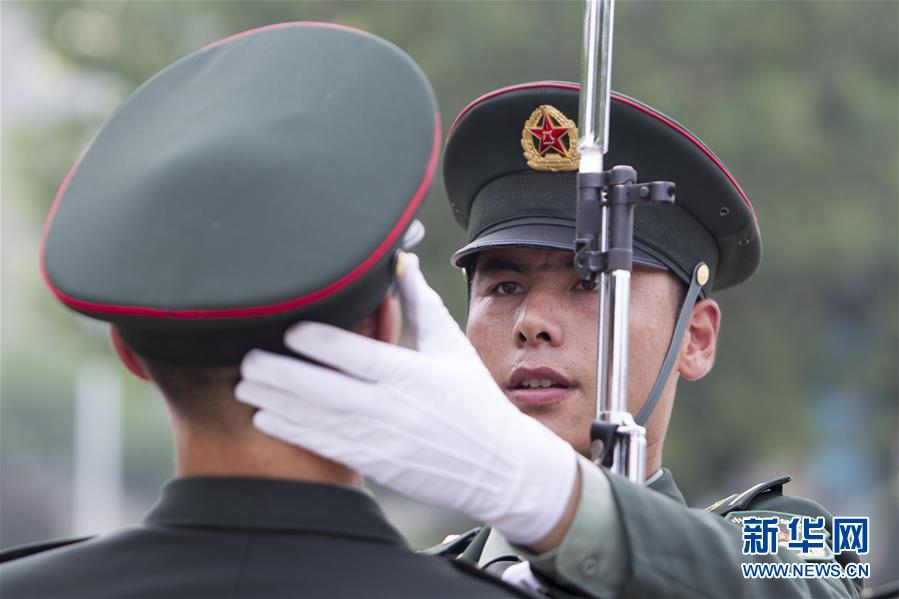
column 700, row 277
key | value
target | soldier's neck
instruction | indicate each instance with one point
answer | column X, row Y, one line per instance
column 205, row 451
column 653, row 461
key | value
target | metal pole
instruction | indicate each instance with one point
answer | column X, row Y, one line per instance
column 628, row 452
column 596, row 84
column 593, row 143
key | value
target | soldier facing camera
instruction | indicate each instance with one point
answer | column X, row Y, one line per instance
column 509, row 167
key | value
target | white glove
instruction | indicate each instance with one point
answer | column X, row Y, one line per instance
column 431, row 424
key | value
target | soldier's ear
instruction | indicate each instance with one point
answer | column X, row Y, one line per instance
column 385, row 322
column 389, row 319
column 128, row 357
column 697, row 355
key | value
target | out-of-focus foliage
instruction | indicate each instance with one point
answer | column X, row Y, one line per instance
column 799, row 99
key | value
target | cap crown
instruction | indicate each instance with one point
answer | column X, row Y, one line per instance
column 261, row 176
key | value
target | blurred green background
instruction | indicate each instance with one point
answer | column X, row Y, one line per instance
column 799, row 99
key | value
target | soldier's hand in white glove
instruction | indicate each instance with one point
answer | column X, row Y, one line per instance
column 431, row 424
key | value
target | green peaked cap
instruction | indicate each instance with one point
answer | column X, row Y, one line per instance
column 503, row 201
column 264, row 179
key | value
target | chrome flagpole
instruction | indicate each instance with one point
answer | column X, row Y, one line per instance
column 604, row 248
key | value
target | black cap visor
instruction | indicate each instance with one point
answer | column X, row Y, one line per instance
column 530, row 233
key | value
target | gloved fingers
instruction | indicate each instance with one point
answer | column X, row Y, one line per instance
column 315, row 439
column 390, row 461
column 435, row 329
column 394, row 424
column 352, row 444
column 359, row 356
column 298, row 405
column 299, row 383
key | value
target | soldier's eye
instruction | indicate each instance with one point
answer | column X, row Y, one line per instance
column 507, row 288
column 583, row 285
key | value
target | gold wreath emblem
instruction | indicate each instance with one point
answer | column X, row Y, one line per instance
column 549, row 141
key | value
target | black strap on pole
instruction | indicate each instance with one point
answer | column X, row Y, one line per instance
column 618, row 190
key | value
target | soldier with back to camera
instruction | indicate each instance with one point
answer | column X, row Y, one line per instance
column 196, row 224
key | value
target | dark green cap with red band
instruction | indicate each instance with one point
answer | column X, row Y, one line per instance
column 510, row 169
column 265, row 179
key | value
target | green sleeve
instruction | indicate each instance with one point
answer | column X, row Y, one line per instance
column 630, row 541
column 588, row 558
column 677, row 551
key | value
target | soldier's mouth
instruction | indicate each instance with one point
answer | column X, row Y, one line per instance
column 538, row 386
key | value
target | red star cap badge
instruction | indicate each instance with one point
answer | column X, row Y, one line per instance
column 549, row 136
column 548, row 125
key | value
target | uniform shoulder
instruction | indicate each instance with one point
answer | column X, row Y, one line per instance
column 768, row 496
column 445, row 576
column 34, row 570
column 210, row 563
column 21, row 551
column 768, row 499
column 788, row 504
column 756, row 493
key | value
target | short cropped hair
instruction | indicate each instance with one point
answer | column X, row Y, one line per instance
column 196, row 393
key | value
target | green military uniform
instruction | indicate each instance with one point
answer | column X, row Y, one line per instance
column 628, row 541
column 246, row 537
column 510, row 168
column 265, row 179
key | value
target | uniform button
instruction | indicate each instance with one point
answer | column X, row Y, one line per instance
column 589, row 566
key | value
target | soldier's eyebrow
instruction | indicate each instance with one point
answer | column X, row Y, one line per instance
column 494, row 265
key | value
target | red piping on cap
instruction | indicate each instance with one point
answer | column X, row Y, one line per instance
column 283, row 26
column 309, row 298
column 286, row 306
column 623, row 100
column 504, row 90
column 42, row 252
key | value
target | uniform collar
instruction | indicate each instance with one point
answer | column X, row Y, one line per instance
column 271, row 505
column 663, row 482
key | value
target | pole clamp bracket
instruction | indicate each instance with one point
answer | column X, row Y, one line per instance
column 618, row 190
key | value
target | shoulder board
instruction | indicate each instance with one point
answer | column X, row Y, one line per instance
column 453, row 545
column 740, row 501
column 21, row 551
